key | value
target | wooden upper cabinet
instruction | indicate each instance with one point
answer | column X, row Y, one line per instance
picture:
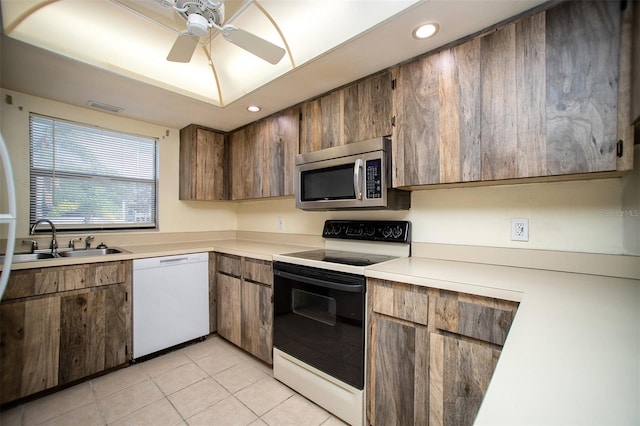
column 543, row 96
column 354, row 113
column 203, row 164
column 635, row 46
column 263, row 157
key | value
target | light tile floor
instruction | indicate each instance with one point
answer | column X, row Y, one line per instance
column 207, row 383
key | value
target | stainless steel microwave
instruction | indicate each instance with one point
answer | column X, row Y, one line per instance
column 352, row 176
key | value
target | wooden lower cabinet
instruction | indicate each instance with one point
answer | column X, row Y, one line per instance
column 459, row 375
column 431, row 353
column 399, row 361
column 245, row 303
column 61, row 324
column 93, row 331
column 257, row 320
column 29, row 346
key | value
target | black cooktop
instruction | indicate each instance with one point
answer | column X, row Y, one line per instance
column 342, row 257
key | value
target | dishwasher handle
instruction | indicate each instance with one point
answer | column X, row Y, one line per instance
column 167, row 261
column 174, row 260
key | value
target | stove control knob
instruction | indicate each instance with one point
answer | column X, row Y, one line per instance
column 397, row 232
column 386, row 232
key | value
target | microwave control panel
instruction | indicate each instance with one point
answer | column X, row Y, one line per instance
column 373, row 175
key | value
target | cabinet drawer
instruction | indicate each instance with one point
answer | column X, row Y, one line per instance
column 258, row 271
column 479, row 321
column 404, row 301
column 40, row 281
column 229, row 264
column 32, row 282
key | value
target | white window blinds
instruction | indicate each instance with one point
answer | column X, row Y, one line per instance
column 88, row 178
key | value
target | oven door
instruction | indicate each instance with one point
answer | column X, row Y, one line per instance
column 319, row 319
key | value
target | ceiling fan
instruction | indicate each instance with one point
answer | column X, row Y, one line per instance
column 201, row 16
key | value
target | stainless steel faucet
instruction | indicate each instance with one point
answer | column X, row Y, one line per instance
column 87, row 241
column 72, row 242
column 54, row 243
column 32, row 243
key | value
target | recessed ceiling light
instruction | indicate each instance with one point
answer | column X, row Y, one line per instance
column 253, row 108
column 425, row 31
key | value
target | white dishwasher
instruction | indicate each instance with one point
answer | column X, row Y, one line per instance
column 170, row 301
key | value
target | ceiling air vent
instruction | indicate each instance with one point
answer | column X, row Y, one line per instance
column 104, row 107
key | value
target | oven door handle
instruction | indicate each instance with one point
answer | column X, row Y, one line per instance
column 356, row 288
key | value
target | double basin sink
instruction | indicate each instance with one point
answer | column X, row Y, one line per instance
column 46, row 254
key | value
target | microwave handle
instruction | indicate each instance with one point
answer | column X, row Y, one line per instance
column 357, row 179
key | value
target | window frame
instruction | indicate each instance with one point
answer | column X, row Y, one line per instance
column 152, row 225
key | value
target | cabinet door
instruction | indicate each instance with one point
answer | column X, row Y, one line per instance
column 29, row 346
column 367, row 108
column 281, row 147
column 229, row 308
column 95, row 331
column 263, row 156
column 358, row 112
column 399, row 377
column 257, row 320
column 247, row 158
column 635, row 78
column 202, row 164
column 582, row 55
column 459, row 375
column 321, row 123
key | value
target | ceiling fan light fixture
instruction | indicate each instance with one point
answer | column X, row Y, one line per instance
column 425, row 31
column 197, row 25
column 253, row 108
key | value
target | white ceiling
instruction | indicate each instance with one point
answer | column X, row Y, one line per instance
column 37, row 58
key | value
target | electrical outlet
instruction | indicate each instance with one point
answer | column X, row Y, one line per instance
column 280, row 223
column 519, row 229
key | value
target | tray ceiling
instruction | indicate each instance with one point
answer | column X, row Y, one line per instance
column 114, row 51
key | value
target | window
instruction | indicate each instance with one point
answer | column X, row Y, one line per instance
column 88, row 178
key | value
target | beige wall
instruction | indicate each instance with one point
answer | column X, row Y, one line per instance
column 174, row 215
column 594, row 216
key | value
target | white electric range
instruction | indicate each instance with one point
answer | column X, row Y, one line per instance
column 320, row 312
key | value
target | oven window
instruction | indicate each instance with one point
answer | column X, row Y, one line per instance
column 314, row 306
column 332, row 183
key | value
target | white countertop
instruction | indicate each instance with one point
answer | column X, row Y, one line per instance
column 572, row 355
column 257, row 249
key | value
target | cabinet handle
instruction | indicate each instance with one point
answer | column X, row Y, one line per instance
column 619, row 148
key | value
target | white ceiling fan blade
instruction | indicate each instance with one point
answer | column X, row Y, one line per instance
column 183, row 48
column 253, row 44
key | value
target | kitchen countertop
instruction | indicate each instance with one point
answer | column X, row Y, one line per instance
column 572, row 355
column 257, row 249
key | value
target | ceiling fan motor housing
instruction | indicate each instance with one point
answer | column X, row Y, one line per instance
column 197, row 25
column 211, row 11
